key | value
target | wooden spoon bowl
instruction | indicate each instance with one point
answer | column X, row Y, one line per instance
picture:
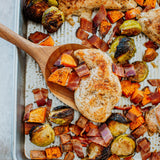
column 45, row 56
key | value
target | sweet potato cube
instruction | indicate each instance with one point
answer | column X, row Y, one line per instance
column 151, row 3
column 132, row 13
column 61, row 130
column 137, row 123
column 150, row 55
column 81, row 34
column 68, row 61
column 82, row 121
column 69, row 156
column 37, row 115
column 137, row 96
column 128, row 88
column 60, row 76
column 140, row 2
column 38, row 154
column 47, row 42
column 65, row 138
column 53, row 152
column 114, row 16
column 146, row 99
column 104, row 28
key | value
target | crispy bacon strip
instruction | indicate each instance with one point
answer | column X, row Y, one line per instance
column 82, row 121
column 98, row 140
column 75, row 129
column 61, row 130
column 83, row 140
column 86, row 25
column 129, row 70
column 73, row 81
column 151, row 44
column 118, row 70
column 65, row 138
column 105, row 133
column 69, row 156
column 123, row 108
column 82, row 70
column 155, row 98
column 81, row 34
column 28, row 108
column 94, row 132
column 48, row 106
column 68, row 147
column 28, row 127
column 154, row 82
column 143, row 144
column 155, row 156
column 77, row 147
column 87, row 44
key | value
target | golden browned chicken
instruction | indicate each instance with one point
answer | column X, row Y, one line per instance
column 78, row 7
column 150, row 22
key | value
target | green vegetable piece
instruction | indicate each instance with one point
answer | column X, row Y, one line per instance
column 52, row 3
column 130, row 28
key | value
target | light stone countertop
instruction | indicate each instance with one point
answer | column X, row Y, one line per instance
column 7, row 17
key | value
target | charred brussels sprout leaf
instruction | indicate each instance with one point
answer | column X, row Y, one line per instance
column 118, row 117
column 130, row 28
column 33, row 9
column 52, row 3
column 42, row 135
column 52, row 19
column 61, row 115
column 123, row 146
column 125, row 50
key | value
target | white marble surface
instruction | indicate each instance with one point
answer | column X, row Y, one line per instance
column 7, row 17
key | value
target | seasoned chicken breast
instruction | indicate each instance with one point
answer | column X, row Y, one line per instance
column 97, row 94
column 77, row 7
column 153, row 120
column 150, row 22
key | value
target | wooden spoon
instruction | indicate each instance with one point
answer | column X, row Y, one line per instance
column 45, row 56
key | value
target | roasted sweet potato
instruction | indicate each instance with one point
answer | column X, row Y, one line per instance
column 140, row 2
column 53, row 152
column 128, row 88
column 146, row 99
column 81, row 34
column 151, row 3
column 150, row 55
column 138, row 122
column 61, row 130
column 69, row 156
column 38, row 154
column 154, row 82
column 68, row 61
column 132, row 13
column 104, row 28
column 114, row 16
column 60, row 76
column 47, row 42
column 113, row 157
column 37, row 115
column 137, row 96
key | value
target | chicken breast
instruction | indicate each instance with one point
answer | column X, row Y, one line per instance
column 77, row 7
column 101, row 90
column 150, row 22
column 153, row 120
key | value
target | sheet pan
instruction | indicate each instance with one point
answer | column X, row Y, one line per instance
column 29, row 77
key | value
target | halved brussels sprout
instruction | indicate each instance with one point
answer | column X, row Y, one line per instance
column 33, row 9
column 52, row 19
column 42, row 135
column 141, row 71
column 61, row 115
column 123, row 146
column 125, row 50
column 130, row 28
column 52, row 3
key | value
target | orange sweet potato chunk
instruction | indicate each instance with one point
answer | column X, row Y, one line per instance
column 137, row 96
column 60, row 76
column 114, row 16
column 132, row 13
column 68, row 61
column 140, row 2
column 151, row 3
column 47, row 42
column 37, row 115
column 53, row 152
column 104, row 28
column 137, row 123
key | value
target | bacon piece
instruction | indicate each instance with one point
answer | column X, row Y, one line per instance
column 105, row 133
column 28, row 108
column 82, row 70
column 87, row 44
column 65, row 138
column 155, row 98
column 145, row 155
column 94, row 132
column 77, row 147
column 98, row 140
column 73, row 81
column 68, row 147
column 86, row 25
column 40, row 96
column 129, row 70
column 61, row 130
column 151, row 44
column 28, row 127
column 155, row 156
column 82, row 121
column 123, row 108
column 75, row 129
column 98, row 43
column 69, row 156
column 48, row 106
column 118, row 70
column 104, row 28
column 143, row 144
column 83, row 140
column 99, row 17
column 38, row 154
column 81, row 34
column 154, row 82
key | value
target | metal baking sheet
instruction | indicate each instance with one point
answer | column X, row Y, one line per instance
column 33, row 79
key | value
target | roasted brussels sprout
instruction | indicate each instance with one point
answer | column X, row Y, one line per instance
column 125, row 50
column 61, row 115
column 42, row 135
column 52, row 3
column 123, row 146
column 141, row 71
column 33, row 9
column 94, row 150
column 52, row 19
column 130, row 28
column 118, row 117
